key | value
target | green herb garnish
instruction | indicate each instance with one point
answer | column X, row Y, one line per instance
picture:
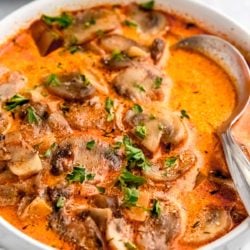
column 60, row 202
column 32, row 116
column 130, row 246
column 171, row 161
column 137, row 109
column 118, row 56
column 49, row 151
column 139, row 87
column 62, row 21
column 90, row 144
column 74, row 48
column 131, row 196
column 101, row 190
column 141, row 131
column 157, row 82
column 147, row 5
column 109, row 107
column 53, row 80
column 134, row 155
column 156, row 209
column 128, row 179
column 85, row 80
column 130, row 23
column 184, row 114
column 15, row 101
column 79, row 175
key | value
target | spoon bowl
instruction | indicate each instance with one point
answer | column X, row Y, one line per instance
column 234, row 64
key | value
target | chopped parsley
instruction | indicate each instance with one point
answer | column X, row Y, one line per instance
column 62, row 21
column 118, row 56
column 101, row 190
column 131, row 196
column 100, row 33
column 15, row 101
column 32, row 116
column 89, row 23
column 130, row 246
column 84, row 80
column 147, row 5
column 79, row 174
column 49, row 151
column 157, row 82
column 134, row 155
column 128, row 179
column 90, row 145
column 171, row 161
column 139, row 87
column 60, row 202
column 156, row 209
column 53, row 80
column 184, row 114
column 74, row 48
column 137, row 109
column 109, row 107
column 130, row 23
column 141, row 131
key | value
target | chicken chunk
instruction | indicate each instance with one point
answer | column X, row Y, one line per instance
column 98, row 160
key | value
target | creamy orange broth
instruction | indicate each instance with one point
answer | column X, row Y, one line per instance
column 200, row 87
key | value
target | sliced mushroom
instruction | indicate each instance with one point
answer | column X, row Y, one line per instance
column 117, row 63
column 98, row 160
column 106, row 201
column 26, row 167
column 79, row 229
column 118, row 234
column 12, row 83
column 142, row 83
column 151, row 22
column 210, row 224
column 172, row 167
column 165, row 127
column 157, row 49
column 118, row 42
column 46, row 38
column 72, row 88
column 87, row 25
column 24, row 160
column 156, row 233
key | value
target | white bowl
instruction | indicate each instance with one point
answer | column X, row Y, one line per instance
column 216, row 23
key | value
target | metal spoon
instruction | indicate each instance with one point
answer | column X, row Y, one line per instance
column 231, row 60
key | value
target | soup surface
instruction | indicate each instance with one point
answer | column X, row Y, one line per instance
column 108, row 134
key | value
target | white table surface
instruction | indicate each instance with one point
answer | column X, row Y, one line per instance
column 239, row 10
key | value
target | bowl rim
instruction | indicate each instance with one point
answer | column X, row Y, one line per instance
column 24, row 16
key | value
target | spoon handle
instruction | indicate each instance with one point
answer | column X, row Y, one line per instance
column 239, row 167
